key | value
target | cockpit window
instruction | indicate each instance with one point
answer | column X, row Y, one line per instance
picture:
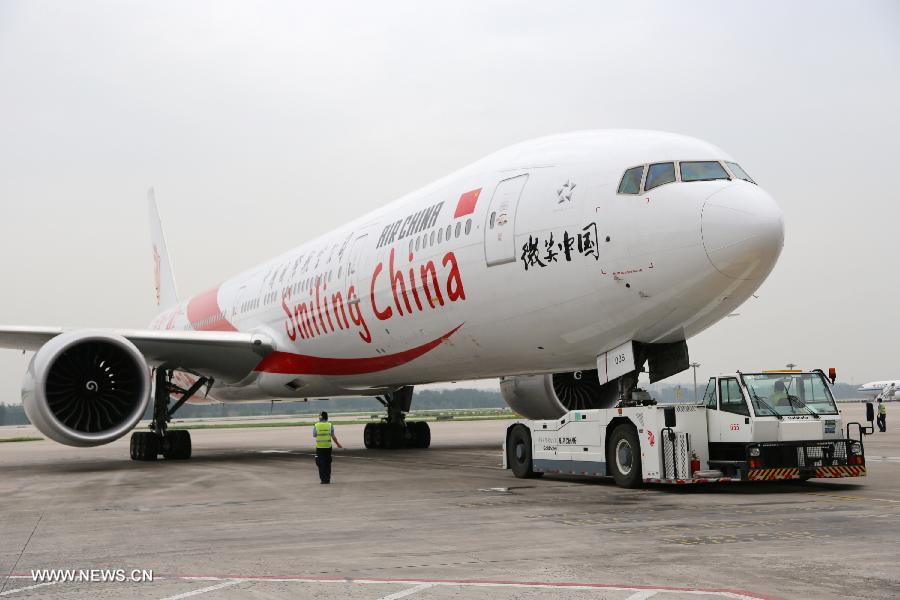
column 659, row 174
column 631, row 181
column 706, row 170
column 739, row 172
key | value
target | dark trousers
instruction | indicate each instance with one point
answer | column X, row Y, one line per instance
column 882, row 422
column 323, row 460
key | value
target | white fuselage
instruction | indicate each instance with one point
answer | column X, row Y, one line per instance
column 875, row 388
column 527, row 261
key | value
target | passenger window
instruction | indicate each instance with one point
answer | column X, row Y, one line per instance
column 659, row 174
column 468, row 226
column 730, row 397
column 631, row 181
column 702, row 171
column 738, row 172
column 493, row 219
column 709, row 398
column 458, row 227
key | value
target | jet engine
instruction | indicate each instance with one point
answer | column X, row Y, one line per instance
column 551, row 396
column 86, row 389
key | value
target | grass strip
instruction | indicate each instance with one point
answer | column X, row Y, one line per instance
column 20, row 439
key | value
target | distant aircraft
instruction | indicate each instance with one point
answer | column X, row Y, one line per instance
column 561, row 265
column 874, row 387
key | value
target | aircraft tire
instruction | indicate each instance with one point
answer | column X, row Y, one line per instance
column 423, row 434
column 369, row 435
column 378, row 435
column 177, row 445
column 393, row 436
column 144, row 446
column 410, row 435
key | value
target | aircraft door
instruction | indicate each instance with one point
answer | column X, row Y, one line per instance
column 499, row 230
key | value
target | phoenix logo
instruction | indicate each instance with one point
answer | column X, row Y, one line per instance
column 565, row 192
column 156, row 273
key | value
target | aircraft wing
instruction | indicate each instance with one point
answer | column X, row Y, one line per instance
column 226, row 356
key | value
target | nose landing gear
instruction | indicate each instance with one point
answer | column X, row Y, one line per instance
column 395, row 431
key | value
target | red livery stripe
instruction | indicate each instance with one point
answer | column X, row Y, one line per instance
column 204, row 314
column 287, row 363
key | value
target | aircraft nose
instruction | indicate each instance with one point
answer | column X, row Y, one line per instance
column 743, row 231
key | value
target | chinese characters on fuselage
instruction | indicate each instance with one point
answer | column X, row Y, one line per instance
column 538, row 252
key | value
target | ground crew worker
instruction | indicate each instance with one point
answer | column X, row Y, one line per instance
column 323, row 431
column 779, row 395
column 882, row 416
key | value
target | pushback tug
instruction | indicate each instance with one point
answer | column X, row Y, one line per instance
column 771, row 425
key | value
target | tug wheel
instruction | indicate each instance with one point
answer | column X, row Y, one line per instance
column 518, row 453
column 624, row 457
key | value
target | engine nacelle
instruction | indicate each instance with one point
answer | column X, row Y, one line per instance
column 86, row 389
column 551, row 396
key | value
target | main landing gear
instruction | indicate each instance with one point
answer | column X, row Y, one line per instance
column 395, row 431
column 173, row 445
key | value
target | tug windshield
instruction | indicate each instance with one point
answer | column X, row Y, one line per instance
column 789, row 394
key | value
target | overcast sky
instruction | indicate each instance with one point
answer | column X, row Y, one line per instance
column 264, row 124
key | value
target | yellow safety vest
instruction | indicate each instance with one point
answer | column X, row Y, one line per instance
column 323, row 434
column 882, row 409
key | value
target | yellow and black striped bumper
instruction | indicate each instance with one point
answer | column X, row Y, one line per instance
column 794, row 473
column 847, row 471
column 773, row 474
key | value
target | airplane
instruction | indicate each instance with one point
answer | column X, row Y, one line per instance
column 560, row 265
column 875, row 387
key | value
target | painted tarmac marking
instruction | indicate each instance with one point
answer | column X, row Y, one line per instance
column 641, row 595
column 30, row 587
column 721, row 592
column 478, row 583
column 210, row 588
column 21, row 552
column 408, row 592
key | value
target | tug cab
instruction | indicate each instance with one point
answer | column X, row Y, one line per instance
column 777, row 424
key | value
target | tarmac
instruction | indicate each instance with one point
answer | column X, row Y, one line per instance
column 247, row 518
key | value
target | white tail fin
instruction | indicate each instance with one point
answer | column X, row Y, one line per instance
column 166, row 292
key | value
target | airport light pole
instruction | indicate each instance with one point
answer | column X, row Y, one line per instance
column 694, row 366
